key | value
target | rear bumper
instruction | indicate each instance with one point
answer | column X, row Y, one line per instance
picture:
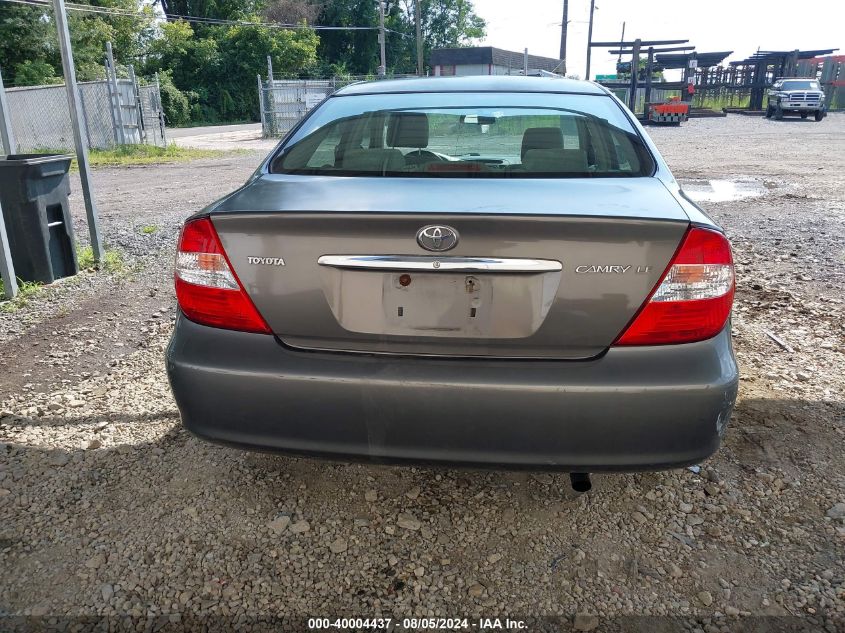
column 631, row 409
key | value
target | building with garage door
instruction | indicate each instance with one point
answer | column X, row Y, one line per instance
column 487, row 60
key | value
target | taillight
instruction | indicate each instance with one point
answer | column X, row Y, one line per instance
column 693, row 299
column 207, row 289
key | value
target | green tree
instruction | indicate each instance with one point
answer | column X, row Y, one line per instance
column 357, row 51
column 217, row 9
column 216, row 72
column 28, row 39
column 25, row 36
column 445, row 23
column 35, row 73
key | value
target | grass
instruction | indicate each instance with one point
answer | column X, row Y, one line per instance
column 211, row 124
column 717, row 102
column 112, row 263
column 125, row 155
column 112, row 260
column 26, row 291
column 149, row 229
column 149, row 155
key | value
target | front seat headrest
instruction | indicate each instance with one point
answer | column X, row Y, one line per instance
column 541, row 138
column 407, row 129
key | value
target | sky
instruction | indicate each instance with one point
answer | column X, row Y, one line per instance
column 741, row 26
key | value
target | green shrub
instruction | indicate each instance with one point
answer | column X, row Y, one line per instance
column 177, row 108
column 35, row 73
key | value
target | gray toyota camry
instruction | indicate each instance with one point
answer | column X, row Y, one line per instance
column 495, row 271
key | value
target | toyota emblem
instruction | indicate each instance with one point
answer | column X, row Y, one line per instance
column 436, row 237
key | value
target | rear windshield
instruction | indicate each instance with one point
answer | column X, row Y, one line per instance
column 489, row 135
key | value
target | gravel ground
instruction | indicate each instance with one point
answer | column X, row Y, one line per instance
column 110, row 508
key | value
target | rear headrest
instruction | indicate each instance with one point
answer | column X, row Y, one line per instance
column 541, row 138
column 375, row 160
column 556, row 160
column 407, row 129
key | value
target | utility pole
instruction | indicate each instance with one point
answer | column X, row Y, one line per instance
column 563, row 26
column 590, row 38
column 419, row 37
column 382, row 69
column 76, row 119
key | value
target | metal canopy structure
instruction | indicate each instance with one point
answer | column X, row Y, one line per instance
column 661, row 55
column 628, row 51
column 703, row 60
column 760, row 69
column 773, row 57
column 642, row 43
column 633, row 48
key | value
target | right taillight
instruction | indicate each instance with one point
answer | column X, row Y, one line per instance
column 693, row 299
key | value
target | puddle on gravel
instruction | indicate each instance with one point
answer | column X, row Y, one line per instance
column 702, row 190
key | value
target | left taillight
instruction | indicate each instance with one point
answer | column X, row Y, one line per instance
column 207, row 288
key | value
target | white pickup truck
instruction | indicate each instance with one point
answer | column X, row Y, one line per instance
column 798, row 95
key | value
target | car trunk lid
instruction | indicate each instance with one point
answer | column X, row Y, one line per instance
column 541, row 269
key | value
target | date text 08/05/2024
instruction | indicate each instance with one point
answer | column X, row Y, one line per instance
column 413, row 624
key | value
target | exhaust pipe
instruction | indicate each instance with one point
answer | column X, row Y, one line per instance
column 580, row 482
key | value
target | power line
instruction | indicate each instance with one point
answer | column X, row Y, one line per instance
column 116, row 11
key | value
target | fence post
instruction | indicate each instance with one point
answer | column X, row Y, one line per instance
column 261, row 108
column 75, row 115
column 120, row 137
column 136, row 98
column 7, row 137
column 160, row 109
column 7, row 269
column 111, row 100
column 271, row 98
column 84, row 121
column 139, row 110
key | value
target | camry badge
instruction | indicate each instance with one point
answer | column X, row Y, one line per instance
column 436, row 237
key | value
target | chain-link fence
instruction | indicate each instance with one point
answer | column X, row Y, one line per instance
column 284, row 102
column 40, row 118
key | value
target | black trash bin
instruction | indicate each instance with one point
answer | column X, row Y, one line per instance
column 34, row 191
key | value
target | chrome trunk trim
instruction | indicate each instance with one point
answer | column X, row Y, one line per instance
column 445, row 264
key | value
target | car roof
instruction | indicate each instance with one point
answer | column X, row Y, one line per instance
column 476, row 83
